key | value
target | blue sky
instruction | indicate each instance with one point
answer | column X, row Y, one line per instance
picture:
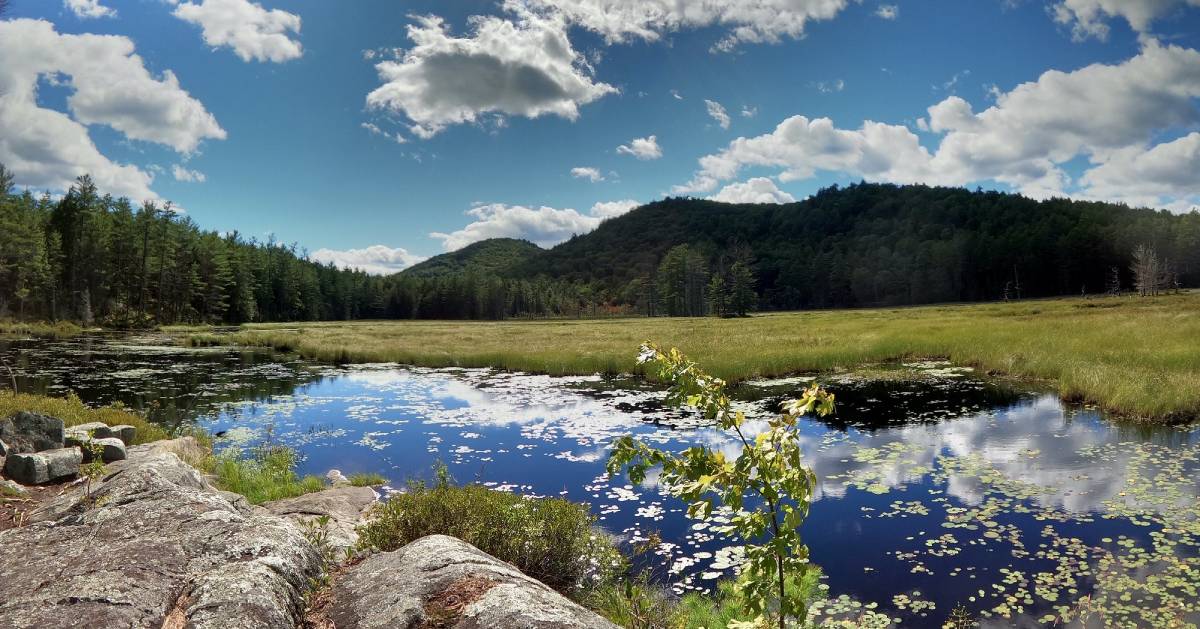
column 374, row 133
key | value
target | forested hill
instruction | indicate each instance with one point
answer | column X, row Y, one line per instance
column 878, row 244
column 94, row 258
column 495, row 256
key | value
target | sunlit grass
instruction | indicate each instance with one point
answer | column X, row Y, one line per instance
column 1133, row 356
column 265, row 475
column 74, row 412
column 60, row 330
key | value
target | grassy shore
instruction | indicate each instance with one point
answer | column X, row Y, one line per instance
column 74, row 412
column 1133, row 356
column 40, row 329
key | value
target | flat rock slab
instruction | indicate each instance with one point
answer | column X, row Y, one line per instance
column 153, row 546
column 36, row 468
column 345, row 505
column 31, row 432
column 410, row 587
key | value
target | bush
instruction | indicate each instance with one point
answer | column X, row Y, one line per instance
column 269, row 473
column 550, row 539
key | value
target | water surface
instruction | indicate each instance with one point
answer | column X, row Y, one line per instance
column 943, row 492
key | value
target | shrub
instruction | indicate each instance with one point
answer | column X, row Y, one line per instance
column 268, row 473
column 550, row 539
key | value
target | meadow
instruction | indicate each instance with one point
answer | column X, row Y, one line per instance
column 1136, row 357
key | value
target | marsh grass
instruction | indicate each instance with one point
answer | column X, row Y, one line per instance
column 367, row 480
column 43, row 330
column 1138, row 357
column 73, row 412
column 268, row 473
column 550, row 539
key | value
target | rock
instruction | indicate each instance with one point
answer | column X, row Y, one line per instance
column 409, row 587
column 3, row 448
column 345, row 505
column 124, row 432
column 9, row 488
column 31, row 432
column 186, row 448
column 112, row 449
column 35, row 468
column 153, row 546
column 98, row 430
column 335, row 478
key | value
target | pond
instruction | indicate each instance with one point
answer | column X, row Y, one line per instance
column 934, row 492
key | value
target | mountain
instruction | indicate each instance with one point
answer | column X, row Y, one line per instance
column 495, row 256
column 864, row 244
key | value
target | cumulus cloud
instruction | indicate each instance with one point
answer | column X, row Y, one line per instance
column 746, row 21
column 376, row 259
column 587, row 172
column 1103, row 113
column 642, row 148
column 545, row 226
column 524, row 66
column 254, row 33
column 717, row 112
column 85, row 9
column 110, row 86
column 1164, row 175
column 190, row 176
column 1090, row 18
column 753, row 190
column 887, row 12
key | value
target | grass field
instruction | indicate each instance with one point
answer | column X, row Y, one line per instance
column 1138, row 357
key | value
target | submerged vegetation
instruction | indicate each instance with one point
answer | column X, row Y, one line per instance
column 1133, row 356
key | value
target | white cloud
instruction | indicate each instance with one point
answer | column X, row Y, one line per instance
column 544, row 226
column 642, row 148
column 749, row 112
column 587, row 172
column 376, row 259
column 523, row 66
column 48, row 149
column 609, row 209
column 753, row 190
column 676, row 95
column 1089, row 18
column 887, row 11
column 829, row 87
column 747, row 21
column 1104, row 113
column 717, row 112
column 1164, row 175
column 85, row 9
column 190, row 176
column 254, row 33
column 374, row 129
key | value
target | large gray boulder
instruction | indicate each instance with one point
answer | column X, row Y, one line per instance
column 346, row 506
column 100, row 430
column 111, row 448
column 153, row 546
column 36, row 468
column 446, row 582
column 31, row 432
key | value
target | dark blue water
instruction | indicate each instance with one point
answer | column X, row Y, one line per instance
column 946, row 492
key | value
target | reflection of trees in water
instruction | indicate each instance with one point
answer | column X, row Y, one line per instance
column 174, row 387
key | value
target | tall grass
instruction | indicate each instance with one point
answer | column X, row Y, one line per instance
column 266, row 474
column 59, row 330
column 550, row 539
column 1138, row 357
column 73, row 412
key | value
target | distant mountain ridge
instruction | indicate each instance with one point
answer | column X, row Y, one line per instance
column 864, row 244
column 494, row 256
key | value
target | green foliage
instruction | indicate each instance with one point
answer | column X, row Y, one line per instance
column 73, row 412
column 268, row 473
column 494, row 256
column 636, row 603
column 768, row 469
column 367, row 480
column 550, row 539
